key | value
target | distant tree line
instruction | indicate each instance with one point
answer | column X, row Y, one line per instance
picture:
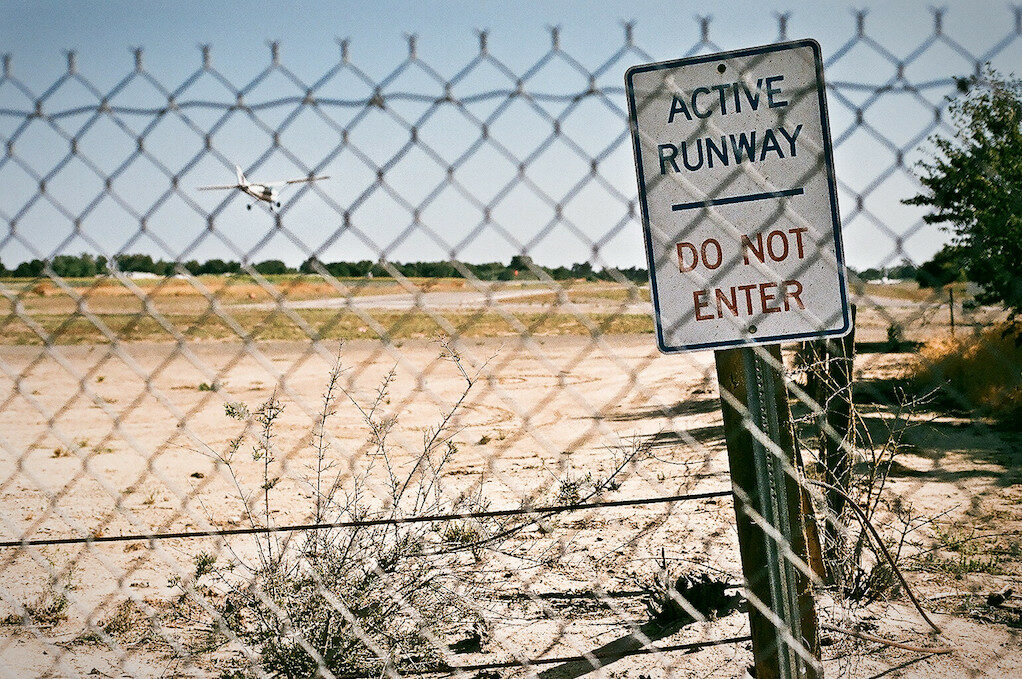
column 903, row 271
column 521, row 267
column 87, row 266
column 947, row 266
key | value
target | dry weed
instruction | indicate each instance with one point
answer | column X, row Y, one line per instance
column 982, row 372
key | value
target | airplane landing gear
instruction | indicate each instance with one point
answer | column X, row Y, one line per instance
column 278, row 204
column 248, row 207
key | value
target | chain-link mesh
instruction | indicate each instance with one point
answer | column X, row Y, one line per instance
column 388, row 470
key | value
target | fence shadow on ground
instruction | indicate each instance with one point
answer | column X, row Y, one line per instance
column 631, row 643
column 698, row 406
column 666, row 439
column 937, row 441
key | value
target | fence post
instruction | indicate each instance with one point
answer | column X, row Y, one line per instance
column 809, row 518
column 768, row 508
column 813, row 355
column 837, row 432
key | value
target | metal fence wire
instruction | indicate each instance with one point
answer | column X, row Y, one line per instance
column 373, row 469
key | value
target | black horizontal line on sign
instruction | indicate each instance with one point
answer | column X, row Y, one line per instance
column 738, row 199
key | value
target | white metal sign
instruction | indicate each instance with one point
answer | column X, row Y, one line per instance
column 738, row 198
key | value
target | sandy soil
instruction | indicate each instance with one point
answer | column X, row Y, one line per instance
column 115, row 440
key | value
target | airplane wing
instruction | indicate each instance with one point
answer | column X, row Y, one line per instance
column 213, row 188
column 294, row 181
column 307, row 179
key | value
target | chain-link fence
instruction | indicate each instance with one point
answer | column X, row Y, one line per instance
column 213, row 463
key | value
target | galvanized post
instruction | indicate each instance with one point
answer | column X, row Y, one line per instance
column 768, row 507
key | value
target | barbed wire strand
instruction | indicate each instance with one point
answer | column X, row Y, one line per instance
column 366, row 523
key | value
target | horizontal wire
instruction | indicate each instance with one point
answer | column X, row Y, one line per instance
column 393, row 521
column 433, row 99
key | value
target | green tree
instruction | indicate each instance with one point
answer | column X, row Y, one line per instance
column 903, row 271
column 974, row 184
column 138, row 263
column 216, row 267
column 583, row 270
column 309, row 266
column 947, row 266
column 339, row 269
column 560, row 273
column 272, row 267
column 30, row 269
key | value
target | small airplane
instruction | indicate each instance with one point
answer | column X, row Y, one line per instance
column 264, row 191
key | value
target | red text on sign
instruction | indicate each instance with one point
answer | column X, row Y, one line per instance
column 776, row 245
column 747, row 300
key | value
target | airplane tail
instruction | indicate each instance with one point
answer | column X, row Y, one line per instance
column 241, row 175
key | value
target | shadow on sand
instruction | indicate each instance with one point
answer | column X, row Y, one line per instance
column 630, row 644
column 941, row 432
column 699, row 406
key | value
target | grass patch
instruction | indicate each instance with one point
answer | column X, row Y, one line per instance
column 584, row 293
column 178, row 295
column 68, row 329
column 958, row 552
column 960, row 565
column 908, row 290
column 978, row 375
column 49, row 612
column 49, row 608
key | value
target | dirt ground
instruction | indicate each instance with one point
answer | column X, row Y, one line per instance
column 119, row 439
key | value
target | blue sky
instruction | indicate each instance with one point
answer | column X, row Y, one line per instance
column 37, row 31
column 36, row 34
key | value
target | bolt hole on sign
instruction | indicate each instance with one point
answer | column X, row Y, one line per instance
column 738, row 197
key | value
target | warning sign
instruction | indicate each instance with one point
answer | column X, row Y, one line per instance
column 738, row 197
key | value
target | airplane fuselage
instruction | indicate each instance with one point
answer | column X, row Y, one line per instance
column 266, row 191
column 260, row 192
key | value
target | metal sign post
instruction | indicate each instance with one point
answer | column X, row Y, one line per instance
column 768, row 510
column 743, row 241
